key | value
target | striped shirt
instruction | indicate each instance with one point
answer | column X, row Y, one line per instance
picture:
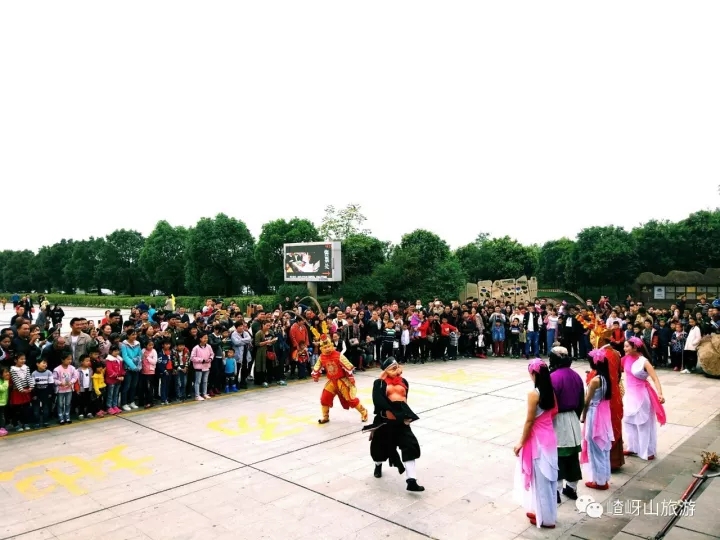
column 21, row 378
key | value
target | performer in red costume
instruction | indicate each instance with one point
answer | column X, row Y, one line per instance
column 391, row 427
column 600, row 337
column 340, row 383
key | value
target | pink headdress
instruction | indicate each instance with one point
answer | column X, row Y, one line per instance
column 636, row 341
column 598, row 355
column 535, row 366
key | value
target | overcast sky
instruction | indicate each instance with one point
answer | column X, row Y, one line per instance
column 531, row 119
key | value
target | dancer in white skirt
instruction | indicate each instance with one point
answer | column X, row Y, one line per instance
column 597, row 429
column 641, row 404
column 537, row 468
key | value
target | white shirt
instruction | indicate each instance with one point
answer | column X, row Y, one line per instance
column 86, row 378
column 531, row 322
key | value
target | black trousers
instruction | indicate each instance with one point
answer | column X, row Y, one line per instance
column 690, row 359
column 84, row 402
column 217, row 374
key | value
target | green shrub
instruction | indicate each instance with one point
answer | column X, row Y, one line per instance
column 191, row 303
column 188, row 302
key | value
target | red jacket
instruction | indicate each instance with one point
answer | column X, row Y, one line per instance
column 423, row 328
column 446, row 328
column 113, row 370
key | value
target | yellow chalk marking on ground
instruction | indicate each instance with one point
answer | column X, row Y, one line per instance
column 55, row 472
column 460, row 377
column 270, row 427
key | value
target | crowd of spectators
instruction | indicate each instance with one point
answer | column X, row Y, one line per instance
column 161, row 354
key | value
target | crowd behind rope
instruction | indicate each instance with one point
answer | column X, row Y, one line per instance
column 162, row 354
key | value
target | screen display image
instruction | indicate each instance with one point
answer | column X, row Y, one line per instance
column 309, row 261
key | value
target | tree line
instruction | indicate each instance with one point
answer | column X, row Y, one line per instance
column 219, row 256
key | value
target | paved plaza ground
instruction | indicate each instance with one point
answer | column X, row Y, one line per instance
column 257, row 465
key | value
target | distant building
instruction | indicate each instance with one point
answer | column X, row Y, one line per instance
column 665, row 290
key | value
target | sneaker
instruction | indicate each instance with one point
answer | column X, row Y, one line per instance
column 126, row 408
column 89, row 415
column 133, row 406
column 100, row 414
column 207, row 396
column 114, row 411
column 685, row 371
column 68, row 421
column 80, row 417
column 62, row 422
column 227, row 389
column 233, row 388
column 281, row 383
column 250, row 379
column 265, row 385
column 148, row 405
column 199, row 398
column 3, row 432
column 19, row 429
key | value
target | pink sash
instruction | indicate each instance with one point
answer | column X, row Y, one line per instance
column 542, row 435
column 602, row 418
column 655, row 402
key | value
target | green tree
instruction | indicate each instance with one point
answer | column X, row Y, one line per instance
column 659, row 243
column 83, row 270
column 497, row 258
column 16, row 271
column 606, row 256
column 119, row 264
column 339, row 224
column 269, row 248
column 361, row 254
column 697, row 246
column 366, row 288
column 219, row 256
column 48, row 266
column 162, row 258
column 421, row 266
column 555, row 264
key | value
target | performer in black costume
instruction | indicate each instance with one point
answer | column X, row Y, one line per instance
column 390, row 430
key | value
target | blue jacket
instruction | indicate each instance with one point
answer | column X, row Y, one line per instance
column 131, row 355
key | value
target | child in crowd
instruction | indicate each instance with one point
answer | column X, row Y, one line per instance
column 83, row 388
column 43, row 393
column 163, row 371
column 404, row 351
column 498, row 338
column 99, row 388
column 677, row 346
column 650, row 338
column 230, row 371
column 4, row 391
column 147, row 377
column 180, row 359
column 114, row 376
column 629, row 332
column 664, row 333
column 302, row 360
column 515, row 331
column 94, row 355
column 21, row 392
column 453, row 345
column 65, row 376
column 617, row 338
